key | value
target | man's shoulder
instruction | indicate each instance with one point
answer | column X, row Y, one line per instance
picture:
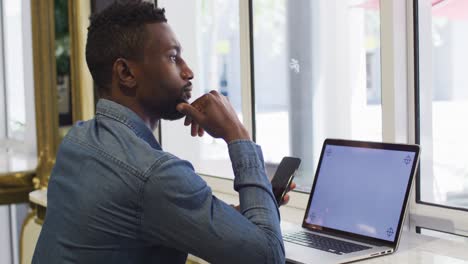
column 114, row 143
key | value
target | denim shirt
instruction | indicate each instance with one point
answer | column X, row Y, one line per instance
column 115, row 196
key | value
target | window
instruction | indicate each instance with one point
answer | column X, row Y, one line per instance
column 14, row 79
column 443, row 133
column 17, row 115
column 334, row 68
column 3, row 105
column 442, row 106
column 317, row 75
column 215, row 59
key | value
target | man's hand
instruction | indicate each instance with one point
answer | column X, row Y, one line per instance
column 285, row 198
column 214, row 114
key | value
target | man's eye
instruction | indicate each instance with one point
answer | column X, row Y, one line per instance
column 173, row 58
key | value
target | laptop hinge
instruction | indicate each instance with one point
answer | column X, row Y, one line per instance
column 353, row 238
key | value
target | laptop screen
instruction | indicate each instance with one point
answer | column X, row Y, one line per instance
column 361, row 190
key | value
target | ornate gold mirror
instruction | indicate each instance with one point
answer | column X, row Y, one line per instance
column 61, row 93
column 64, row 89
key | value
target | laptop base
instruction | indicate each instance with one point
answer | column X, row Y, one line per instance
column 302, row 254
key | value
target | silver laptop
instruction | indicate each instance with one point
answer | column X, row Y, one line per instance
column 357, row 203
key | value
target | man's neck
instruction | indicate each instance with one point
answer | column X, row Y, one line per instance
column 151, row 122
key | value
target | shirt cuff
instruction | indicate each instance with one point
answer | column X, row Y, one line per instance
column 245, row 154
column 248, row 165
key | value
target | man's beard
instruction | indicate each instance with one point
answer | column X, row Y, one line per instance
column 171, row 112
column 176, row 115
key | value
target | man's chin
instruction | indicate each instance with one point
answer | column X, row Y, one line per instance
column 171, row 113
column 173, row 116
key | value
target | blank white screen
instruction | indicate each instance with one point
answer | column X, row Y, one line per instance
column 361, row 190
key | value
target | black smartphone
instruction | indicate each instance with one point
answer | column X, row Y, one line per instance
column 283, row 177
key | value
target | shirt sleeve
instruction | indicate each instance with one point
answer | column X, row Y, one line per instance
column 180, row 211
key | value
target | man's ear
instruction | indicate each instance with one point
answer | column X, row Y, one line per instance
column 126, row 77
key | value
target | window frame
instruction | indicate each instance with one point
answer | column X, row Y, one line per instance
column 424, row 214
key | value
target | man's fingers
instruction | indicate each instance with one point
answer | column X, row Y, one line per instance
column 187, row 121
column 190, row 111
column 292, row 186
column 285, row 199
column 215, row 93
column 194, row 128
column 201, row 132
column 286, row 196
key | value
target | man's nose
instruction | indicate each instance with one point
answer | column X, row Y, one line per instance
column 187, row 73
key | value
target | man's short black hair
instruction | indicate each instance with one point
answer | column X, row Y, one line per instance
column 118, row 32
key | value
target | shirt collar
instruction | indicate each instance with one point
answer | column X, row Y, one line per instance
column 127, row 117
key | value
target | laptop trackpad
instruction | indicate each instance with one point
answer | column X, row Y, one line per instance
column 301, row 254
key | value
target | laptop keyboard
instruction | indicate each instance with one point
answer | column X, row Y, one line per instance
column 328, row 244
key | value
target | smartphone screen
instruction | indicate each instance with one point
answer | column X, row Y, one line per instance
column 283, row 176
